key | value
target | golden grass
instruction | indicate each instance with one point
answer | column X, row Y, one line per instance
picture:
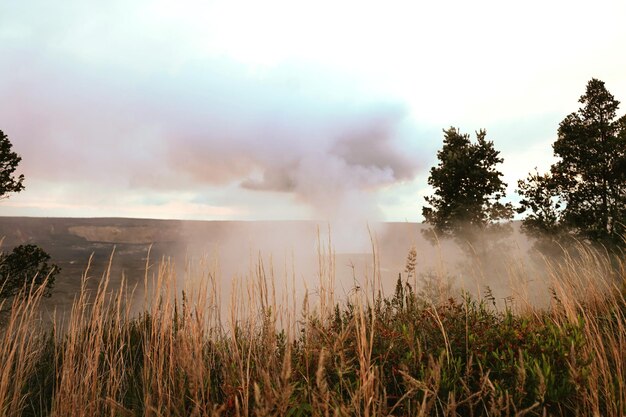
column 369, row 355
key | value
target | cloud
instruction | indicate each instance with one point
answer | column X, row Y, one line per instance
column 210, row 124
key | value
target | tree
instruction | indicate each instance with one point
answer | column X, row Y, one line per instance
column 538, row 193
column 25, row 265
column 9, row 160
column 468, row 188
column 584, row 194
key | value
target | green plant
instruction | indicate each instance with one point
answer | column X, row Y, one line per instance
column 24, row 266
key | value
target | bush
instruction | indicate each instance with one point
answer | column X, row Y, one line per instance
column 26, row 265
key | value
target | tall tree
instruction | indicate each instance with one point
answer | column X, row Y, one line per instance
column 9, row 160
column 586, row 187
column 468, row 187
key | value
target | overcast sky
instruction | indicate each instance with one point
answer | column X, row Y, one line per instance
column 284, row 109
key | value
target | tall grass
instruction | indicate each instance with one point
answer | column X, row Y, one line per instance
column 416, row 352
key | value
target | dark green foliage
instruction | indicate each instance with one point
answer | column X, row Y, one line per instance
column 539, row 196
column 584, row 194
column 26, row 265
column 468, row 187
column 9, row 160
column 463, row 350
column 527, row 360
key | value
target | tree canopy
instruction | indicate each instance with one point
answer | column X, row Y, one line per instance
column 584, row 193
column 468, row 187
column 9, row 160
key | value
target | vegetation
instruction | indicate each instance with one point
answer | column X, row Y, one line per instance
column 584, row 194
column 371, row 355
column 468, row 188
column 421, row 351
column 26, row 264
column 9, row 160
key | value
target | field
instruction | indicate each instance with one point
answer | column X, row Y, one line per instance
column 386, row 332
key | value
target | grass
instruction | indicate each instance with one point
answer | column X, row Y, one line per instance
column 420, row 351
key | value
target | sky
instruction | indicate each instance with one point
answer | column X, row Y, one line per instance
column 284, row 110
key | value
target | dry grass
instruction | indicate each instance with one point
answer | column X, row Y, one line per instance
column 369, row 355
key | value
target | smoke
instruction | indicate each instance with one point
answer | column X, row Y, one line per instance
column 212, row 126
column 333, row 165
column 292, row 252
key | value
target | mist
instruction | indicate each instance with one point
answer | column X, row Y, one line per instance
column 303, row 257
column 298, row 260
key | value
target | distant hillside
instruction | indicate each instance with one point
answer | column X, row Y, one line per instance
column 20, row 230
